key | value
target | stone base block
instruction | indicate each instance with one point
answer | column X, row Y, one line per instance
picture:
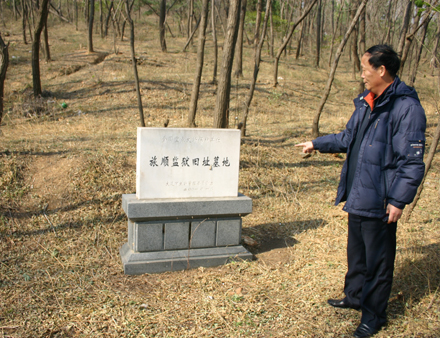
column 137, row 263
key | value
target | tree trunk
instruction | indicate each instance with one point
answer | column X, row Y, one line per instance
column 434, row 60
column 272, row 36
column 257, row 23
column 387, row 38
column 315, row 127
column 190, row 18
column 192, row 35
column 257, row 60
column 286, row 41
column 91, row 18
column 86, row 10
column 318, row 33
column 4, row 62
column 101, row 19
column 200, row 58
column 362, row 48
column 221, row 21
column 163, row 12
column 107, row 20
column 46, row 43
column 418, row 54
column 404, row 28
column 354, row 41
column 410, row 37
column 36, row 81
column 133, row 60
column 221, row 112
column 2, row 11
column 239, row 59
column 14, row 7
column 300, row 41
column 76, row 15
column 24, row 10
column 214, row 39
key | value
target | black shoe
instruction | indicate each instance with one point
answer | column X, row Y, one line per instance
column 363, row 331
column 342, row 304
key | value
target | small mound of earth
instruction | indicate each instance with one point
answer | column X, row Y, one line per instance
column 48, row 178
column 275, row 251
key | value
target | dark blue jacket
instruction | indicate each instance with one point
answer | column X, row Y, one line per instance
column 390, row 161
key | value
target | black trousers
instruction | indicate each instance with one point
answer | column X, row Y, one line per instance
column 371, row 251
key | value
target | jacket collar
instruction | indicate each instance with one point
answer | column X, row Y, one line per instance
column 384, row 98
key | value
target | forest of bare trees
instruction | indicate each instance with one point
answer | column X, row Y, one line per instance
column 77, row 79
column 294, row 28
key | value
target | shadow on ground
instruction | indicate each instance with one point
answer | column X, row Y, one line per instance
column 414, row 279
column 274, row 241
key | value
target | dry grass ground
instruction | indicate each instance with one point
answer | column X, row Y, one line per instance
column 62, row 173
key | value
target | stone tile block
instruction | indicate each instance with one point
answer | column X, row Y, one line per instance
column 202, row 234
column 148, row 236
column 176, row 235
column 228, row 232
column 159, row 209
column 136, row 263
column 130, row 241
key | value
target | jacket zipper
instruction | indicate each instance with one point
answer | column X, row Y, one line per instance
column 374, row 131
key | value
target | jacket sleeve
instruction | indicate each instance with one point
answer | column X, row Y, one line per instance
column 408, row 142
column 335, row 143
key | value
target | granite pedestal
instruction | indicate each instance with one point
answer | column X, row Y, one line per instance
column 182, row 233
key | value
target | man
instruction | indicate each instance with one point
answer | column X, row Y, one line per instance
column 384, row 141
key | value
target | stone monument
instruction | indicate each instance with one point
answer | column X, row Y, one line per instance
column 186, row 211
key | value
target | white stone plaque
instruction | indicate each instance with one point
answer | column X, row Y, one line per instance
column 185, row 163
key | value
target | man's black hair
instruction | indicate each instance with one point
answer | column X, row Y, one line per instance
column 384, row 55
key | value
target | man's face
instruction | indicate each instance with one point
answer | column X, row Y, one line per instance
column 372, row 77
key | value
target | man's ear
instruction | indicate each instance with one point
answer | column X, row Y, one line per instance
column 382, row 70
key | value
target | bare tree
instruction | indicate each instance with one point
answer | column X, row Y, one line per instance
column 404, row 29
column 354, row 41
column 318, row 32
column 46, row 43
column 418, row 54
column 362, row 48
column 287, row 39
column 200, row 58
column 23, row 20
column 258, row 22
column 36, row 80
column 1, row 14
column 214, row 40
column 76, row 14
column 192, row 34
column 315, row 126
column 162, row 16
column 107, row 20
column 239, row 59
column 91, row 18
column 133, row 60
column 190, row 18
column 410, row 37
column 434, row 61
column 272, row 34
column 101, row 19
column 4, row 62
column 257, row 60
column 387, row 38
column 221, row 112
